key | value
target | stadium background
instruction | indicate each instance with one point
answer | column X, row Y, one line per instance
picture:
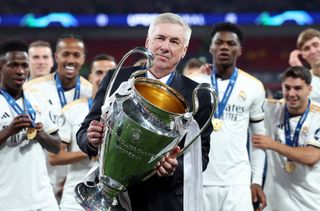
column 265, row 49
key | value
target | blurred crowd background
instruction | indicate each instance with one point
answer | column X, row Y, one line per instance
column 156, row 6
column 265, row 49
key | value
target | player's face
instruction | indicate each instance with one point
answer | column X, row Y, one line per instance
column 296, row 93
column 225, row 48
column 167, row 43
column 99, row 70
column 14, row 70
column 41, row 61
column 69, row 57
column 310, row 51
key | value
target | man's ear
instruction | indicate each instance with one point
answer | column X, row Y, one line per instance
column 55, row 56
column 240, row 51
column 90, row 77
column 184, row 52
column 310, row 88
column 1, row 63
column 146, row 44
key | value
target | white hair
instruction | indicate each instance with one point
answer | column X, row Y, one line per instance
column 171, row 18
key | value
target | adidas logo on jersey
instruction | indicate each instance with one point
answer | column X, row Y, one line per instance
column 5, row 115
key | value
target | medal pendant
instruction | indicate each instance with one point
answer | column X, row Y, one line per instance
column 217, row 124
column 289, row 166
column 31, row 133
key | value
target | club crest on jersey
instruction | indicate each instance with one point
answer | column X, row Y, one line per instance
column 37, row 108
column 242, row 95
column 305, row 131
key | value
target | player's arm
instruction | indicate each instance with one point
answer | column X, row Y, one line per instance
column 257, row 167
column 307, row 155
column 257, row 126
column 258, row 156
column 50, row 142
column 65, row 157
column 294, row 59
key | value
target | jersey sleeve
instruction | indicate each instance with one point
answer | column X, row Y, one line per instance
column 256, row 109
column 314, row 139
column 65, row 132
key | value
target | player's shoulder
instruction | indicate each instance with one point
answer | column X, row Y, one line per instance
column 274, row 102
column 40, row 80
column 85, row 82
column 74, row 104
column 314, row 107
column 248, row 78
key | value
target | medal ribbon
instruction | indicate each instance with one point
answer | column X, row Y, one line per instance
column 294, row 142
column 12, row 102
column 90, row 101
column 222, row 104
column 60, row 90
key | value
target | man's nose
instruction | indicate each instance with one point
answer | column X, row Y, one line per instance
column 165, row 44
column 21, row 69
column 224, row 46
column 291, row 92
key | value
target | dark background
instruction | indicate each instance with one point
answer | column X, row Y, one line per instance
column 265, row 49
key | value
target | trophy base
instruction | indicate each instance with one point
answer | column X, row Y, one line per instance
column 92, row 198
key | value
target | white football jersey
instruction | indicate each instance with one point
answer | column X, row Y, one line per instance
column 24, row 179
column 315, row 93
column 47, row 86
column 74, row 113
column 229, row 161
column 200, row 78
column 299, row 190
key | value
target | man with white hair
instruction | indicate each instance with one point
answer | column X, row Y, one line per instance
column 168, row 39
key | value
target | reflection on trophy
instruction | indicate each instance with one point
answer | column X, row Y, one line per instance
column 145, row 119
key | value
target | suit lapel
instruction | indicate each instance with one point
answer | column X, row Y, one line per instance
column 177, row 83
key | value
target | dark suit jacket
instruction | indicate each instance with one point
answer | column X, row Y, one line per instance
column 156, row 193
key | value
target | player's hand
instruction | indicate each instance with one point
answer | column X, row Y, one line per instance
column 39, row 127
column 258, row 197
column 294, row 58
column 19, row 123
column 95, row 133
column 206, row 68
column 263, row 142
column 168, row 164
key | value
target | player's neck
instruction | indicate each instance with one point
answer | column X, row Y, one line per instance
column 298, row 111
column 16, row 94
column 224, row 73
column 68, row 83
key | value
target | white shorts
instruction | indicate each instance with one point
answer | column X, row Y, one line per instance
column 227, row 198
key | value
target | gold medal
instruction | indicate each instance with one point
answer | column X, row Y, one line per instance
column 217, row 124
column 289, row 166
column 31, row 133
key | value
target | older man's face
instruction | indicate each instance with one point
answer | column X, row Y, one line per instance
column 167, row 43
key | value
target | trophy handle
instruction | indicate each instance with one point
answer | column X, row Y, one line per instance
column 195, row 101
column 142, row 50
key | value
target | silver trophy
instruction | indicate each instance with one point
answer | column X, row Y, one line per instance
column 145, row 119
